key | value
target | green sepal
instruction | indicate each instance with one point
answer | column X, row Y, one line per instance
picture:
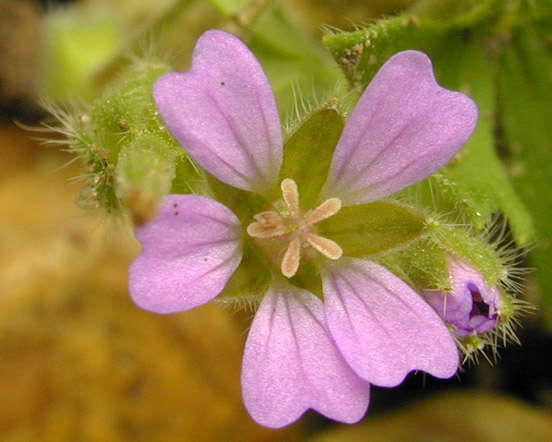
column 308, row 153
column 473, row 343
column 244, row 204
column 144, row 173
column 189, row 177
column 251, row 280
column 472, row 248
column 127, row 110
column 373, row 229
column 124, row 125
column 423, row 265
column 308, row 278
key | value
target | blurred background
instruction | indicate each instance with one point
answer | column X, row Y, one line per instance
column 78, row 361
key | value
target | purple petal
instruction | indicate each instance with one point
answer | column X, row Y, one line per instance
column 224, row 114
column 382, row 327
column 472, row 306
column 189, row 252
column 291, row 364
column 404, row 128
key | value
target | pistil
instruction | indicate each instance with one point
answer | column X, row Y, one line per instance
column 296, row 228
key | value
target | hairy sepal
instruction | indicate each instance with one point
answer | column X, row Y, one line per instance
column 369, row 230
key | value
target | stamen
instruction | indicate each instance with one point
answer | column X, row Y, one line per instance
column 291, row 196
column 291, row 259
column 290, row 225
column 325, row 210
column 259, row 230
column 326, row 246
column 269, row 218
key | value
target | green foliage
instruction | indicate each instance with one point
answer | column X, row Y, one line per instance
column 525, row 98
column 361, row 53
column 373, row 229
column 228, row 7
column 295, row 63
column 75, row 43
column 309, row 151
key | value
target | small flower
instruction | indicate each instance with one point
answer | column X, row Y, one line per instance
column 472, row 307
column 371, row 328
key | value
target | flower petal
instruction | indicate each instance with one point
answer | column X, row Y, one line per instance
column 382, row 327
column 189, row 252
column 291, row 364
column 224, row 114
column 404, row 128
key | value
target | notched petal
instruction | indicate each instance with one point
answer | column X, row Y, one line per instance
column 382, row 327
column 404, row 128
column 290, row 363
column 189, row 252
column 224, row 114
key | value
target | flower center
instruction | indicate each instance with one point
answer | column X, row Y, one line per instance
column 297, row 228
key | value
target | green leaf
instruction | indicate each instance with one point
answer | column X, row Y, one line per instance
column 228, row 7
column 373, row 229
column 526, row 97
column 76, row 42
column 361, row 53
column 309, row 151
column 457, row 14
column 292, row 59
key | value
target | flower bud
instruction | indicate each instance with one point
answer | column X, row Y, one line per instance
column 472, row 307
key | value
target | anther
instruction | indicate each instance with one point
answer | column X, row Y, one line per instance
column 291, row 259
column 291, row 196
column 327, row 247
column 269, row 218
column 325, row 210
column 261, row 230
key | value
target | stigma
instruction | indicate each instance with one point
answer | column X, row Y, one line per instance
column 296, row 227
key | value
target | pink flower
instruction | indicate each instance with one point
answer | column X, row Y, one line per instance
column 472, row 306
column 372, row 327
